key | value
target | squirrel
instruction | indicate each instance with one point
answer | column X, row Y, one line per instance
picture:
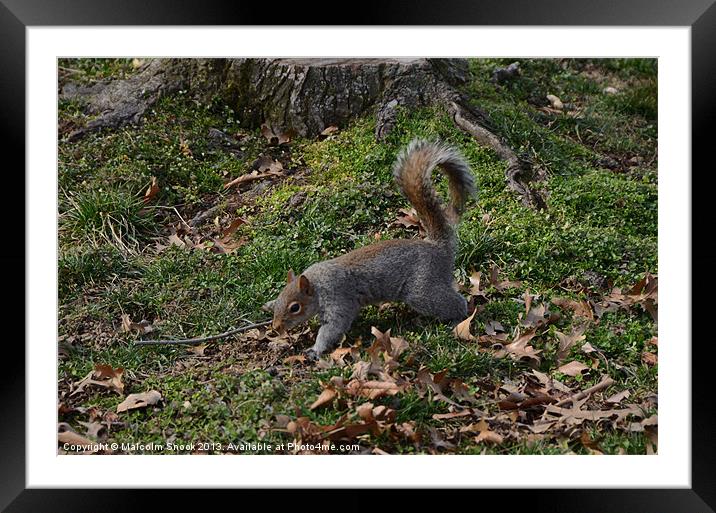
column 418, row 272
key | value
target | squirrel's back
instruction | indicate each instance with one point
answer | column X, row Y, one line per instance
column 418, row 272
column 413, row 174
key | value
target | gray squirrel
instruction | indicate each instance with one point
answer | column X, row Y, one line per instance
column 415, row 271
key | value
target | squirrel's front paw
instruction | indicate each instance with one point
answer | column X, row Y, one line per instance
column 311, row 355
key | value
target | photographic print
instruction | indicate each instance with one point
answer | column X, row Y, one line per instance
column 357, row 256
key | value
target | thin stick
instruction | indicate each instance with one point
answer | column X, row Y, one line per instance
column 194, row 341
column 607, row 382
column 69, row 70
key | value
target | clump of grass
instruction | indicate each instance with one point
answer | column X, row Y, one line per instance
column 81, row 266
column 640, row 100
column 87, row 70
column 107, row 216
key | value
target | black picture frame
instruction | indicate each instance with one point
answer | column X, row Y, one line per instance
column 17, row 15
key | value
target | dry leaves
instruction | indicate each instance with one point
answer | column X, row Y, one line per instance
column 534, row 407
column 501, row 285
column 328, row 131
column 135, row 401
column 649, row 358
column 142, row 327
column 567, row 341
column 103, row 376
column 618, row 397
column 268, row 168
column 326, row 397
column 197, row 350
column 580, row 309
column 475, row 289
column 462, row 330
column 66, row 435
column 408, row 218
column 152, row 190
column 572, row 368
column 520, row 349
column 276, row 137
column 645, row 293
column 229, row 230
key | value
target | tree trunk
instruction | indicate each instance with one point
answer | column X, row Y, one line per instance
column 304, row 96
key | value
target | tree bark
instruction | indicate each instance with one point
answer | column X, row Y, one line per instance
column 304, row 96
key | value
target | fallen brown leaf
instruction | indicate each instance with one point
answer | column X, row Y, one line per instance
column 572, row 368
column 504, row 284
column 197, row 350
column 462, row 330
column 294, row 358
column 567, row 341
column 438, row 441
column 579, row 308
column 326, row 397
column 372, row 389
column 591, row 445
column 408, row 219
column 102, row 376
column 135, row 401
column 651, row 421
column 539, row 316
column 184, row 147
column 328, row 131
column 66, row 435
column 492, row 327
column 484, row 433
column 229, row 230
column 152, row 191
column 577, row 414
column 275, row 138
column 519, row 348
column 226, row 245
column 618, row 397
column 461, row 392
column 93, row 428
column 253, row 175
column 407, row 430
column 141, row 327
column 452, row 415
column 474, row 289
column 392, row 346
column 649, row 358
column 490, row 437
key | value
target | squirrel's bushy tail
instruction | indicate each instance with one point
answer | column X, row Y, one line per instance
column 413, row 173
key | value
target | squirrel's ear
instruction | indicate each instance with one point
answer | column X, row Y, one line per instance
column 305, row 285
column 290, row 277
column 268, row 306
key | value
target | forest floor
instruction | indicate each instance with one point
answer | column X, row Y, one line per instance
column 153, row 245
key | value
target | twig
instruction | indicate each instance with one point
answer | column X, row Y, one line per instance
column 605, row 383
column 194, row 341
column 69, row 70
column 177, row 213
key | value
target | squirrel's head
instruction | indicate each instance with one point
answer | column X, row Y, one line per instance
column 296, row 303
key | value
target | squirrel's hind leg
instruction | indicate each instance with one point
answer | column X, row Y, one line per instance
column 441, row 302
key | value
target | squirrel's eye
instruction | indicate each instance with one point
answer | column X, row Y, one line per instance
column 294, row 308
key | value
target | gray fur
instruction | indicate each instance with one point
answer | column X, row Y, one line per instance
column 417, row 272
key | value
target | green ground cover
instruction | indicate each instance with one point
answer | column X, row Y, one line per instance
column 598, row 166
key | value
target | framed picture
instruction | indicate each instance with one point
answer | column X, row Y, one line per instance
column 571, row 148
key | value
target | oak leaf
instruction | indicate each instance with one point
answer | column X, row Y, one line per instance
column 135, row 401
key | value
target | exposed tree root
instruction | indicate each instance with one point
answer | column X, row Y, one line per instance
column 305, row 96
